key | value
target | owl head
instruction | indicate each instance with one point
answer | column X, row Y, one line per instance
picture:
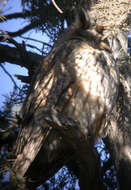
column 85, row 28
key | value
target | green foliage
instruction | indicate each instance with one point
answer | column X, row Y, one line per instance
column 62, row 179
column 107, row 167
column 48, row 19
column 8, row 118
column 9, row 128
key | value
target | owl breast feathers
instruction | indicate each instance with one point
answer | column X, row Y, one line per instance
column 84, row 53
column 94, row 92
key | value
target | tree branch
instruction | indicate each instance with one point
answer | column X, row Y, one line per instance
column 4, row 36
column 13, row 56
column 9, row 75
column 28, row 38
column 18, row 15
column 25, row 79
column 34, row 47
column 24, row 29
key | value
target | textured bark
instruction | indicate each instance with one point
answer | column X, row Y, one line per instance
column 69, row 147
column 51, row 157
column 118, row 140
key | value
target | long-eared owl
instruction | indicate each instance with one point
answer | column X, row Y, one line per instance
column 81, row 52
column 83, row 57
column 94, row 92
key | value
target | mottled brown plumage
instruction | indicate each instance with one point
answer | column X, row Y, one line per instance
column 79, row 79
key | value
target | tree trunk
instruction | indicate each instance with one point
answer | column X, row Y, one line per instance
column 118, row 139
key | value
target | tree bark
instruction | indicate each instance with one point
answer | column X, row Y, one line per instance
column 76, row 149
column 118, row 140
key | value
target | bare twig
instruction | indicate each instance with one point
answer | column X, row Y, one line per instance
column 25, row 79
column 12, row 119
column 31, row 39
column 5, row 36
column 3, row 68
column 3, row 5
column 56, row 6
column 24, row 29
column 34, row 47
column 2, row 18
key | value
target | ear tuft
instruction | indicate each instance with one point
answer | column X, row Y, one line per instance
column 82, row 19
